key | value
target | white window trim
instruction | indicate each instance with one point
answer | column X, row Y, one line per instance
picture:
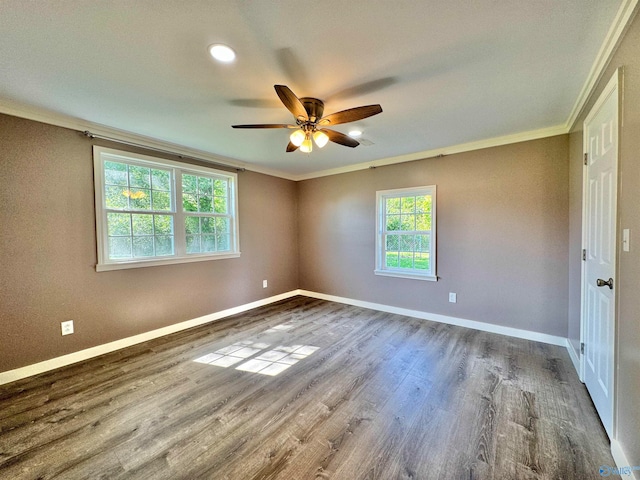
column 380, row 269
column 102, row 154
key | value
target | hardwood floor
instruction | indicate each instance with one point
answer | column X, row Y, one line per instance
column 383, row 397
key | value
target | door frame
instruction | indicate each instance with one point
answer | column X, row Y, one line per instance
column 615, row 83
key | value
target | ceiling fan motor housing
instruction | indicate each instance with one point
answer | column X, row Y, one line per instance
column 314, row 108
column 307, row 123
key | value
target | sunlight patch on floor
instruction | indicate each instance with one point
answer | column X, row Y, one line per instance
column 228, row 356
column 283, row 327
column 271, row 362
column 277, row 360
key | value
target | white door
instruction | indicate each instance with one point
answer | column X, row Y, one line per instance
column 599, row 274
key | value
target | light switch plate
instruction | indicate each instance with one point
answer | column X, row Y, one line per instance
column 626, row 240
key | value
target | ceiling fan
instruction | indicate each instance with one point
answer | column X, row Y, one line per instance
column 310, row 124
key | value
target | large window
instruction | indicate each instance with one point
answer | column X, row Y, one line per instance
column 406, row 233
column 151, row 211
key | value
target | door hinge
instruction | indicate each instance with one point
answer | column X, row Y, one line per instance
column 584, row 254
column 586, row 156
column 582, row 348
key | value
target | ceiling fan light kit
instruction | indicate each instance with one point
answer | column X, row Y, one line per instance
column 320, row 138
column 297, row 137
column 306, row 146
column 302, row 139
column 310, row 124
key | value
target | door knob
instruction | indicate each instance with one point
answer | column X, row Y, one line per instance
column 602, row 283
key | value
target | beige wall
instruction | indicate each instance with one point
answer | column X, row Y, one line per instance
column 48, row 253
column 502, row 235
column 628, row 275
column 508, row 244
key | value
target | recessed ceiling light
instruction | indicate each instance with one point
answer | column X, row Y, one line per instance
column 355, row 133
column 222, row 53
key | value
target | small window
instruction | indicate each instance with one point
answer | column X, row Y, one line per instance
column 406, row 233
column 151, row 211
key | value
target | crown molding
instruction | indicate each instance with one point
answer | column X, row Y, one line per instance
column 621, row 22
column 444, row 151
column 61, row 120
column 50, row 117
column 252, row 167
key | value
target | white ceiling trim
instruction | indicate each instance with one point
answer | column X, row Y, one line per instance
column 444, row 151
column 623, row 18
column 65, row 121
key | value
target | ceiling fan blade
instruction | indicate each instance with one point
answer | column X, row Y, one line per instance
column 255, row 103
column 293, row 103
column 265, row 125
column 291, row 147
column 362, row 89
column 340, row 138
column 292, row 66
column 350, row 115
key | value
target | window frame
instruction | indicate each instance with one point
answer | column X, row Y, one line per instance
column 380, row 267
column 177, row 169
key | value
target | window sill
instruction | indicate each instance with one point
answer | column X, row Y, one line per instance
column 413, row 276
column 106, row 267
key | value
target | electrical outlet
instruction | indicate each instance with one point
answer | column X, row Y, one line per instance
column 453, row 297
column 67, row 327
column 264, row 284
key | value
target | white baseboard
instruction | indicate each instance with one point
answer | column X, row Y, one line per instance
column 621, row 459
column 47, row 365
column 616, row 449
column 461, row 322
column 575, row 358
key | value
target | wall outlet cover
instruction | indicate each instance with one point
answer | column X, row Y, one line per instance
column 67, row 327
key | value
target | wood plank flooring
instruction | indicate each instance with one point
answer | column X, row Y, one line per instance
column 381, row 396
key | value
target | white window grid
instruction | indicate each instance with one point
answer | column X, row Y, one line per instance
column 428, row 235
column 176, row 211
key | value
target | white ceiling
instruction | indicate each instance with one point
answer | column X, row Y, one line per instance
column 446, row 72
